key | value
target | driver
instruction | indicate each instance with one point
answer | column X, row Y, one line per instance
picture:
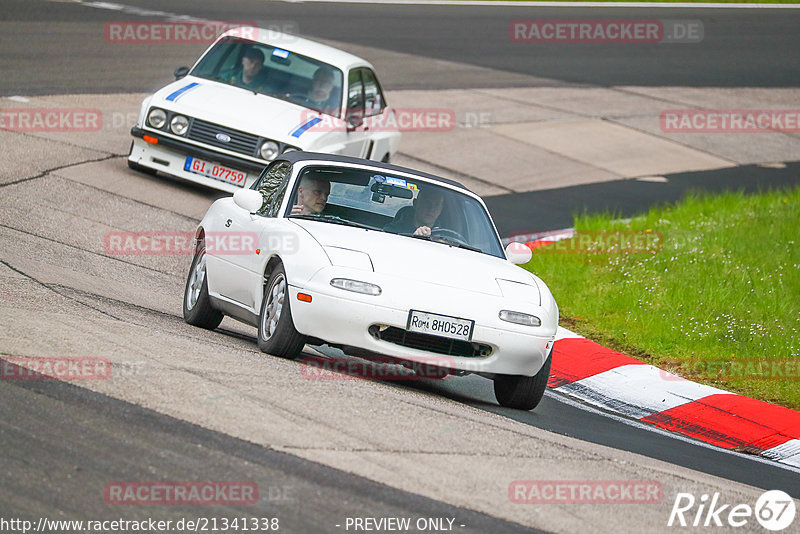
column 253, row 74
column 312, row 196
column 427, row 208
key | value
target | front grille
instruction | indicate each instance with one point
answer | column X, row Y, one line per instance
column 206, row 132
column 431, row 343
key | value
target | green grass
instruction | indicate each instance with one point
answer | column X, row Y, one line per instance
column 688, row 1
column 719, row 300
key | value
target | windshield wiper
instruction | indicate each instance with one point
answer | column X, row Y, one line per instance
column 454, row 243
column 445, row 241
column 335, row 219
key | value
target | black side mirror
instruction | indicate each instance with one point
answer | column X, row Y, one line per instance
column 354, row 121
column 180, row 72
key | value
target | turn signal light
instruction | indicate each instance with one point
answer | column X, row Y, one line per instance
column 304, row 297
column 150, row 139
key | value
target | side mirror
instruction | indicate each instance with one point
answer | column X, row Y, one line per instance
column 518, row 253
column 354, row 121
column 249, row 200
column 180, row 72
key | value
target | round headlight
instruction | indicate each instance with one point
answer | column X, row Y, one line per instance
column 268, row 150
column 179, row 124
column 157, row 118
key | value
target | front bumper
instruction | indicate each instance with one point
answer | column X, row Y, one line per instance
column 344, row 318
column 169, row 156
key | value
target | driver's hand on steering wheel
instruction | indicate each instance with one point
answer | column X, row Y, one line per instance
column 423, row 230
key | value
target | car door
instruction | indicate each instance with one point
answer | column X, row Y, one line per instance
column 355, row 141
column 378, row 126
column 248, row 237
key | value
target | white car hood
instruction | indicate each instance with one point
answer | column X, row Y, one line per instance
column 238, row 108
column 421, row 260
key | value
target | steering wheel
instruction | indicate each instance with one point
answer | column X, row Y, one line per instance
column 448, row 234
column 299, row 97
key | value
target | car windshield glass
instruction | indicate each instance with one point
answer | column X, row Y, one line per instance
column 412, row 207
column 276, row 72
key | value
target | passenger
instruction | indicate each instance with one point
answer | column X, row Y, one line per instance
column 312, row 196
column 319, row 95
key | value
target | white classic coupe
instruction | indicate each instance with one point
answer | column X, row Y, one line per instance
column 374, row 259
column 254, row 95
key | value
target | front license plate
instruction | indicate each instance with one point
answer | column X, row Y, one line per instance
column 440, row 325
column 215, row 171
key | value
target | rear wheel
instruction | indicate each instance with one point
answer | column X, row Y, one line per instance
column 522, row 392
column 197, row 309
column 276, row 332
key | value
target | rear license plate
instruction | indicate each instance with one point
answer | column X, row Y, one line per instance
column 215, row 171
column 440, row 325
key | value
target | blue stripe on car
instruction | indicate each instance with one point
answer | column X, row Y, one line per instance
column 174, row 96
column 303, row 127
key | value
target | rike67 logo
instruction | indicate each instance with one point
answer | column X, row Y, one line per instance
column 774, row 510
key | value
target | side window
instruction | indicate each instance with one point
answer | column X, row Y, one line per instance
column 272, row 186
column 373, row 96
column 355, row 94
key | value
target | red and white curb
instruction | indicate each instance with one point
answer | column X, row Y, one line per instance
column 599, row 376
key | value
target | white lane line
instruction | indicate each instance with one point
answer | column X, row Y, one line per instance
column 643, row 426
column 489, row 3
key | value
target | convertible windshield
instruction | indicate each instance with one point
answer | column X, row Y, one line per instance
column 275, row 72
column 415, row 208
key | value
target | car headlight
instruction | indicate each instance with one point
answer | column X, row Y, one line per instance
column 356, row 286
column 519, row 318
column 268, row 150
column 179, row 125
column 157, row 118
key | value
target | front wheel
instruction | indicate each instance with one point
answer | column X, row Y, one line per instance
column 276, row 332
column 197, row 309
column 522, row 392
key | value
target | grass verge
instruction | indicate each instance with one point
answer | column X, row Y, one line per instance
column 708, row 288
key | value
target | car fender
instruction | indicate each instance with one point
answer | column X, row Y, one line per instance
column 301, row 261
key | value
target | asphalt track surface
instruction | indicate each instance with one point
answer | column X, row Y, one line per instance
column 70, row 437
column 741, row 48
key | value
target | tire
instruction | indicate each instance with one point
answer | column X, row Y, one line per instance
column 522, row 392
column 276, row 332
column 141, row 168
column 386, row 159
column 197, row 309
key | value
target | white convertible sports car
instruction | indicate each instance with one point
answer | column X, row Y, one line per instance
column 375, row 259
column 256, row 94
